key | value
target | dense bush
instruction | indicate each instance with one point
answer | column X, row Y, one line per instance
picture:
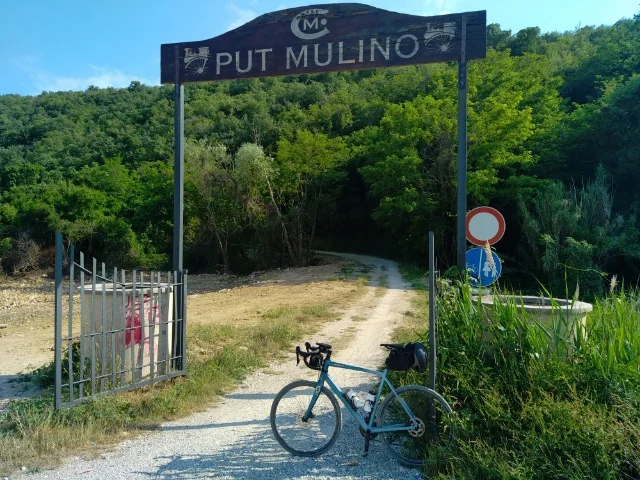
column 574, row 233
column 528, row 411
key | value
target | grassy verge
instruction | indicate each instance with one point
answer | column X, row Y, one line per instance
column 527, row 411
column 351, row 270
column 34, row 436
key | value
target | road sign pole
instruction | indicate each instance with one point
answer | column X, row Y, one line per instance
column 178, row 173
column 432, row 330
column 178, row 211
column 462, row 150
column 432, row 313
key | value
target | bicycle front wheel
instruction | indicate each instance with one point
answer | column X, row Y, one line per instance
column 313, row 436
column 434, row 417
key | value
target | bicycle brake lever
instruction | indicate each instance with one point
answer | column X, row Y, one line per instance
column 307, row 345
column 298, row 355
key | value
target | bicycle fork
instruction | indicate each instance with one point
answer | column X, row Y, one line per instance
column 309, row 413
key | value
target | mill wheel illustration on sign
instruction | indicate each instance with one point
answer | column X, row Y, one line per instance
column 439, row 40
column 196, row 60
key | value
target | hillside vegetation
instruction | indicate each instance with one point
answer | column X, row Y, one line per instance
column 360, row 160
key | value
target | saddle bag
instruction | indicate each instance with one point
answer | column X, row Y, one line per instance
column 412, row 355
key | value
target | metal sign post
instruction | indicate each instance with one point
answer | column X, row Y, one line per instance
column 432, row 333
column 178, row 177
column 178, row 219
column 432, row 313
column 462, row 148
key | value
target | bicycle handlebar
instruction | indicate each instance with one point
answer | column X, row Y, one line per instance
column 319, row 349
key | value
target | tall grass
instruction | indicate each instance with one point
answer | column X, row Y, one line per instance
column 613, row 336
column 532, row 401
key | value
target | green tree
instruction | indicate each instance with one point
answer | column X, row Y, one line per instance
column 209, row 168
column 309, row 177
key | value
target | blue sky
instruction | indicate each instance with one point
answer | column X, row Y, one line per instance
column 52, row 45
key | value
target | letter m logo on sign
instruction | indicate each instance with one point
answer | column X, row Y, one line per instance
column 306, row 24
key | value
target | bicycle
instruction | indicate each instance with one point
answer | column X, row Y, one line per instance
column 306, row 418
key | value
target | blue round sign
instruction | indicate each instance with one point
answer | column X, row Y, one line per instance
column 482, row 272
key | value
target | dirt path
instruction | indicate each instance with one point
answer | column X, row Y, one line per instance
column 26, row 331
column 234, row 441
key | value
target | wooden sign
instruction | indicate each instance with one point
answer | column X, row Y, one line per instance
column 324, row 38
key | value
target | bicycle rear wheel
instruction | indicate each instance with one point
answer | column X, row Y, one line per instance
column 434, row 416
column 313, row 436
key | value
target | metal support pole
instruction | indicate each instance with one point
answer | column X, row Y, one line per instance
column 432, row 313
column 462, row 150
column 58, row 324
column 178, row 178
column 178, row 202
column 432, row 334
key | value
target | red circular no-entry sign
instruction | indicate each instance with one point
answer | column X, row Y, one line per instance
column 484, row 224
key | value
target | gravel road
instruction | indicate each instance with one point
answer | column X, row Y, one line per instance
column 233, row 440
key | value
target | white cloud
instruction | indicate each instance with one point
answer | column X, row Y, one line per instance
column 438, row 7
column 100, row 77
column 242, row 16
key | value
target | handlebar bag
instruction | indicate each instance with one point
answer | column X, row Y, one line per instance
column 316, row 361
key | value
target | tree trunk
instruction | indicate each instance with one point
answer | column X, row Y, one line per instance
column 221, row 244
column 285, row 233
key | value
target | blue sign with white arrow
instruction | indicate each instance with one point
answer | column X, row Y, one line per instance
column 482, row 270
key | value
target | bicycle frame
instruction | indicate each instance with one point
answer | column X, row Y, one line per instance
column 324, row 377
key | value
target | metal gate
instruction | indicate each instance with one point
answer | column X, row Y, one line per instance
column 122, row 329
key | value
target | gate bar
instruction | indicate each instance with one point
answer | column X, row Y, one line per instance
column 58, row 322
column 114, row 327
column 72, row 258
column 92, row 326
column 103, row 332
column 83, row 332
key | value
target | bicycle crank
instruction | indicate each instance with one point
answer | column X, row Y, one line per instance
column 363, row 433
column 418, row 432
